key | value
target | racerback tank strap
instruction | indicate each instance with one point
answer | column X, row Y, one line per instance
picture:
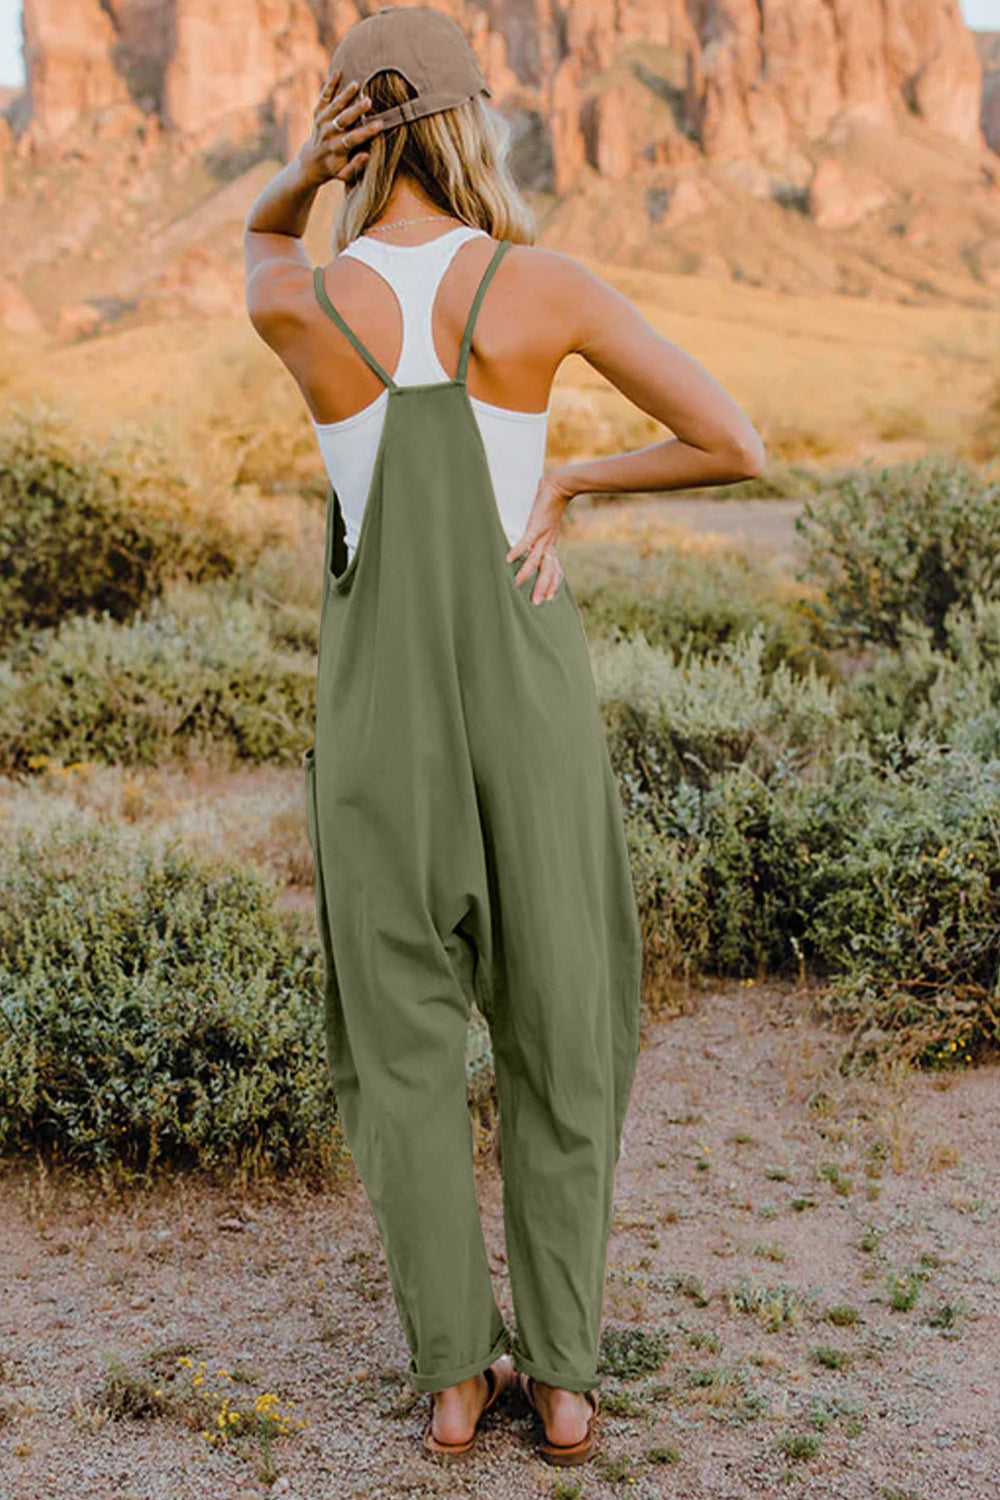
column 463, row 358
column 345, row 328
column 368, row 356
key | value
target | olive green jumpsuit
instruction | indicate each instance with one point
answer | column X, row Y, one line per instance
column 469, row 843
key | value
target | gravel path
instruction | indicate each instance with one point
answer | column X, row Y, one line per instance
column 757, row 1189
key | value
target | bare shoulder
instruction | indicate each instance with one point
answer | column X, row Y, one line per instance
column 557, row 273
column 278, row 292
column 568, row 291
column 281, row 296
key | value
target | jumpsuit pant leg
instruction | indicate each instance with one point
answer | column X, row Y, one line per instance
column 565, row 1029
column 397, row 1063
column 551, row 950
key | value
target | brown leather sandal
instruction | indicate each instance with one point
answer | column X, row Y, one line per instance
column 499, row 1376
column 561, row 1453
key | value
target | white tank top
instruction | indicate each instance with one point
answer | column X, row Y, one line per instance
column 514, row 440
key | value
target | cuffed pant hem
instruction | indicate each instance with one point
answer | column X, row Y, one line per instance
column 461, row 1372
column 561, row 1378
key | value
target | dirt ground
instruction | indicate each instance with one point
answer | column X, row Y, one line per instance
column 757, row 1190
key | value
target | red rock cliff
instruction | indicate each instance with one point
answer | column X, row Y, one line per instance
column 615, row 83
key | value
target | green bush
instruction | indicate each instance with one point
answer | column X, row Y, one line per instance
column 629, row 1353
column 687, row 719
column 906, row 916
column 881, row 878
column 198, row 673
column 778, row 825
column 160, row 1012
column 718, row 887
column 951, row 695
column 687, row 601
column 155, row 1011
column 88, row 527
column 906, row 543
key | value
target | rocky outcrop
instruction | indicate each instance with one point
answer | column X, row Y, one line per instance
column 988, row 47
column 77, row 320
column 231, row 59
column 6, row 148
column 839, row 197
column 69, row 63
column 197, row 283
column 16, row 313
column 933, row 64
column 765, row 72
column 609, row 86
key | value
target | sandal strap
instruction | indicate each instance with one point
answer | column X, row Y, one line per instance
column 528, row 1386
column 493, row 1383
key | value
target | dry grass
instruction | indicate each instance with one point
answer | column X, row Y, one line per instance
column 253, row 816
column 827, row 379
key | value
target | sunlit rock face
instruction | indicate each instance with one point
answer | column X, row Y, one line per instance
column 601, row 85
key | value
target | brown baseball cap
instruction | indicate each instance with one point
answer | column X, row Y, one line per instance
column 429, row 48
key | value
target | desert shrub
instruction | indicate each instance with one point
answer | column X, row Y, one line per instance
column 778, row 825
column 197, row 673
column 906, row 915
column 154, row 1010
column 674, row 905
column 159, row 1011
column 907, row 542
column 629, row 1353
column 686, row 600
column 288, row 582
column 688, row 718
column 88, row 527
column 718, row 885
column 881, row 878
column 951, row 695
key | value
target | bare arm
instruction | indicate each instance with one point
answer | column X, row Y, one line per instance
column 277, row 218
column 715, row 440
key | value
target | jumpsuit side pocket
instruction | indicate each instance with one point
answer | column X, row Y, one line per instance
column 334, row 540
column 340, row 1065
column 312, row 831
column 339, row 570
column 309, row 769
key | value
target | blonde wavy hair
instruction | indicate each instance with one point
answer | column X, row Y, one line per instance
column 459, row 157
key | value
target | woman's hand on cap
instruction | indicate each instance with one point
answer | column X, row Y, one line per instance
column 332, row 149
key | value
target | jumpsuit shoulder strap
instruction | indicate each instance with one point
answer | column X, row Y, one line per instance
column 463, row 358
column 329, row 308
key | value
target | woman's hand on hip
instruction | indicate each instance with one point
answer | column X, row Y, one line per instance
column 327, row 154
column 539, row 537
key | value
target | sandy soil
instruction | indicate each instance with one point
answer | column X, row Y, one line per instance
column 756, row 1190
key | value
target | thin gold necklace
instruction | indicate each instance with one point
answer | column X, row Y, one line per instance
column 395, row 223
